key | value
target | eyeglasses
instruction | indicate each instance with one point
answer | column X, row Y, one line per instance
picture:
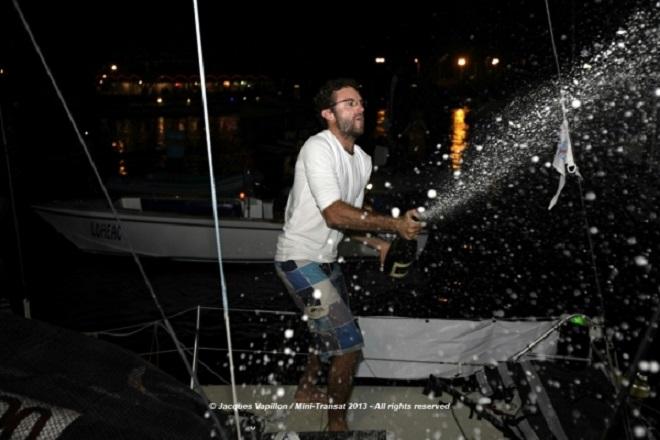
column 350, row 102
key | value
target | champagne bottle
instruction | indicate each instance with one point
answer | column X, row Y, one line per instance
column 400, row 257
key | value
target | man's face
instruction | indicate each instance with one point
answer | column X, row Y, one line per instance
column 348, row 109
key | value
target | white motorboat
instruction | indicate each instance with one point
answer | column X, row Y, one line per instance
column 175, row 228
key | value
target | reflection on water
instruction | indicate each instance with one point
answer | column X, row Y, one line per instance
column 174, row 143
column 459, row 132
column 381, row 128
column 122, row 171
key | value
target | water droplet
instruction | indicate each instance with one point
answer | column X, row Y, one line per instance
column 288, row 333
column 590, row 196
column 396, row 212
column 641, row 260
column 431, row 194
column 576, row 103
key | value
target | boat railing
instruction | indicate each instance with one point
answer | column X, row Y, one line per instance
column 285, row 338
column 194, row 348
column 238, row 207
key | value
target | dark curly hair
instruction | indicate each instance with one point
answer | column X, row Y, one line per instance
column 325, row 96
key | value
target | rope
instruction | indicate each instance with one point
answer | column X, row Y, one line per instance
column 593, row 256
column 255, row 311
column 90, row 160
column 141, row 325
column 125, row 334
column 554, row 46
column 214, row 204
column 583, row 209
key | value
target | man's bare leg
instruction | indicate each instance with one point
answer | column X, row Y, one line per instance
column 340, row 385
column 307, row 391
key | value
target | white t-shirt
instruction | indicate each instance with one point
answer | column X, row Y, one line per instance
column 324, row 173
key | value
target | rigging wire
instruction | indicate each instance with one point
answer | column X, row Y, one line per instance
column 583, row 210
column 90, row 160
column 214, row 204
column 142, row 325
column 459, row 364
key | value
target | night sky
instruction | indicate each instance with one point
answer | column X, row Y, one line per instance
column 78, row 38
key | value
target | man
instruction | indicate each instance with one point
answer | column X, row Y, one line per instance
column 331, row 173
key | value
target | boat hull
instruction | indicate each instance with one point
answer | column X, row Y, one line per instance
column 179, row 237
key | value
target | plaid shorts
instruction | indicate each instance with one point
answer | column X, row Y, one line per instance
column 319, row 291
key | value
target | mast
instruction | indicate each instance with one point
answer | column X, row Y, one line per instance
column 12, row 204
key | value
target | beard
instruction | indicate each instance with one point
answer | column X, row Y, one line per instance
column 352, row 127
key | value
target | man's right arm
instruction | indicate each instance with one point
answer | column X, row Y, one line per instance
column 341, row 215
